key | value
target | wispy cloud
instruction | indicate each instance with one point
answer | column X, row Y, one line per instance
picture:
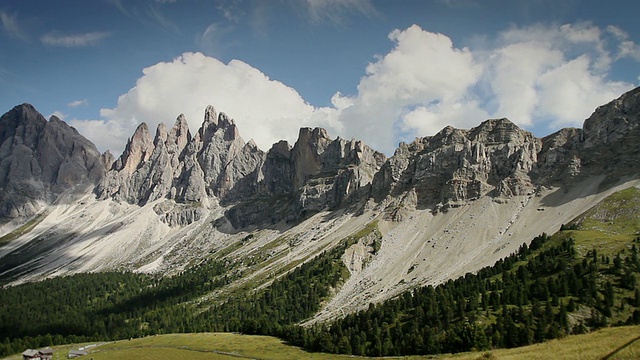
column 626, row 47
column 75, row 40
column 158, row 17
column 77, row 103
column 4, row 75
column 213, row 42
column 337, row 11
column 120, row 6
column 460, row 3
column 11, row 26
column 147, row 13
column 230, row 9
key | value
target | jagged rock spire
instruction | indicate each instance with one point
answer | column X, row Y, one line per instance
column 138, row 149
column 210, row 124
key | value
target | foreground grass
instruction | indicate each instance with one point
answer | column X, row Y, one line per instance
column 611, row 343
column 204, row 346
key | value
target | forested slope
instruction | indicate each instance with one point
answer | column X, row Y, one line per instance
column 582, row 278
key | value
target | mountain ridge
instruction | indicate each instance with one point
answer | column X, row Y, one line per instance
column 443, row 205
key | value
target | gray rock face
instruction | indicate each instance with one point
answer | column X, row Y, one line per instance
column 41, row 160
column 174, row 214
column 320, row 172
column 316, row 173
column 450, row 168
column 607, row 144
column 176, row 165
column 499, row 159
column 611, row 137
column 341, row 169
column 456, row 165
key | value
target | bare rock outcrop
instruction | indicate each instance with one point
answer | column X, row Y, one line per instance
column 450, row 168
column 41, row 160
column 456, row 165
column 317, row 173
column 606, row 145
column 178, row 166
column 501, row 160
column 327, row 173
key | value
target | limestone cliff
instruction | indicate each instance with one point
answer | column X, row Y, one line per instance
column 455, row 165
column 214, row 165
column 499, row 159
column 178, row 166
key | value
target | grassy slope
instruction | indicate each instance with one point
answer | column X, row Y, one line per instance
column 610, row 226
column 618, row 343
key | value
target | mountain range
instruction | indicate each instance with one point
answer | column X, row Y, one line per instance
column 440, row 207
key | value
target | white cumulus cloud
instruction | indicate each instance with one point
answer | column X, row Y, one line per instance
column 265, row 110
column 422, row 78
column 545, row 77
column 540, row 77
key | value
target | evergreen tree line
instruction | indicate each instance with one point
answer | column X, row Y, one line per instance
column 523, row 299
column 115, row 305
column 100, row 306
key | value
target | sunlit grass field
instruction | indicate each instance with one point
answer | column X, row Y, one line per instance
column 610, row 343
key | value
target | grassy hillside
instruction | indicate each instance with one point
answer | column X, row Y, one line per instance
column 611, row 343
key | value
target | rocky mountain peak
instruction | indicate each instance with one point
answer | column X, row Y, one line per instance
column 138, row 149
column 107, row 159
column 180, row 134
column 161, row 135
column 209, row 125
column 224, row 120
column 606, row 145
column 306, row 153
column 611, row 122
column 317, row 173
column 497, row 131
column 281, row 149
column 210, row 115
column 41, row 160
column 22, row 123
column 183, row 168
column 458, row 165
column 450, row 168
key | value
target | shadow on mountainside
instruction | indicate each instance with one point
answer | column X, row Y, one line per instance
column 588, row 186
column 46, row 250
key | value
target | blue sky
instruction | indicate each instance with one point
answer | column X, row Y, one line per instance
column 379, row 71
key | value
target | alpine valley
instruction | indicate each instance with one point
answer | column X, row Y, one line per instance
column 326, row 242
